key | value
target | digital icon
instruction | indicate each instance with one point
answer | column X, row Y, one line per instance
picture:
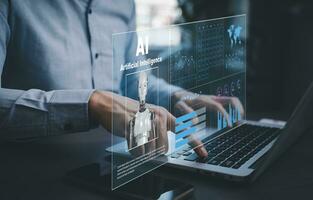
column 219, row 91
column 233, row 88
column 238, row 86
column 226, row 90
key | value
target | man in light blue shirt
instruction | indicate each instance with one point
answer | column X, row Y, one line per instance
column 55, row 62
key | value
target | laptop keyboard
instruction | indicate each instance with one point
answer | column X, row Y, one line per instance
column 233, row 148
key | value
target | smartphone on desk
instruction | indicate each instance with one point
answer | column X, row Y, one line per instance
column 148, row 186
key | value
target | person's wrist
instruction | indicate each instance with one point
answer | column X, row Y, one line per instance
column 100, row 107
column 93, row 105
column 182, row 95
column 92, row 109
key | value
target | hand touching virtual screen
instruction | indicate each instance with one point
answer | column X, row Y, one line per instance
column 144, row 125
column 186, row 102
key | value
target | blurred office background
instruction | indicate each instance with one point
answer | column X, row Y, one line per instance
column 279, row 44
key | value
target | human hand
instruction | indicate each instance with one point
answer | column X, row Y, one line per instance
column 186, row 102
column 111, row 109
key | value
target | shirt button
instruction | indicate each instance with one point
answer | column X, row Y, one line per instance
column 89, row 11
column 96, row 55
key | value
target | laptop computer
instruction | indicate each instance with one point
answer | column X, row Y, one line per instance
column 243, row 152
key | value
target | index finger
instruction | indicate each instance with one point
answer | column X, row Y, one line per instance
column 198, row 147
column 232, row 100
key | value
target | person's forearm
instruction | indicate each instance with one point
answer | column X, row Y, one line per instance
column 36, row 113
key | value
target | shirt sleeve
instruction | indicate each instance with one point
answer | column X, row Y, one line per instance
column 159, row 91
column 35, row 113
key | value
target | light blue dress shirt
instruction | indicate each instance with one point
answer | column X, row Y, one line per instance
column 53, row 54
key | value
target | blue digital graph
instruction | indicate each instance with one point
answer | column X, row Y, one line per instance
column 234, row 116
column 189, row 124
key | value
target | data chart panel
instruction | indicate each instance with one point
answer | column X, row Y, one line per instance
column 173, row 96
